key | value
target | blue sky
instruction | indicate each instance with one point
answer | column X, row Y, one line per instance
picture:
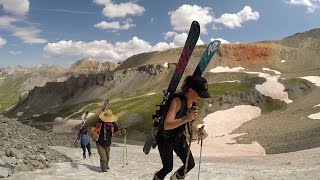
column 61, row 32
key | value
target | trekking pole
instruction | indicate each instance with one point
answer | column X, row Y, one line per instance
column 189, row 150
column 125, row 152
column 201, row 140
column 189, row 145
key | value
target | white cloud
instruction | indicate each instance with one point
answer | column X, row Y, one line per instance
column 2, row 42
column 16, row 7
column 169, row 34
column 105, row 50
column 223, row 41
column 101, row 49
column 15, row 53
column 163, row 46
column 236, row 20
column 311, row 5
column 29, row 35
column 6, row 22
column 121, row 10
column 179, row 39
column 115, row 25
column 182, row 17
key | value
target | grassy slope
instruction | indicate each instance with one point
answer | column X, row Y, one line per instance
column 10, row 93
column 143, row 106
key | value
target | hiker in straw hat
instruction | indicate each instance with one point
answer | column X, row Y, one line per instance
column 104, row 129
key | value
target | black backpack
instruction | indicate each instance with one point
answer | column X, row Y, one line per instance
column 179, row 130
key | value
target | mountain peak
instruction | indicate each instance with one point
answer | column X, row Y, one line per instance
column 313, row 33
column 91, row 65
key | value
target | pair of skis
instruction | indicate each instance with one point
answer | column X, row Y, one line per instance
column 158, row 117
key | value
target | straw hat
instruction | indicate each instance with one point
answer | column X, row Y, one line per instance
column 107, row 116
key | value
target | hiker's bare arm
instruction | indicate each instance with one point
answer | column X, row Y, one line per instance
column 170, row 121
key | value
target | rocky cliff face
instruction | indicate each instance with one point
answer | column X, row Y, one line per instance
column 91, row 65
column 21, row 80
column 91, row 87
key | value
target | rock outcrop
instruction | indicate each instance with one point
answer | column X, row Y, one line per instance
column 25, row 148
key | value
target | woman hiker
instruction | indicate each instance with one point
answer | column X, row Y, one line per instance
column 83, row 137
column 172, row 138
column 104, row 129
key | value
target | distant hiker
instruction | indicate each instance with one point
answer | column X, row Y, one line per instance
column 84, row 138
column 172, row 137
column 104, row 129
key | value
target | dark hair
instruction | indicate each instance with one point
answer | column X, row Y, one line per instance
column 185, row 85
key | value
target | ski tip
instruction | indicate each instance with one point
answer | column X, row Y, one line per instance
column 195, row 24
column 217, row 41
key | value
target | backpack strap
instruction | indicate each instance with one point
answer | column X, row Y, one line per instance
column 183, row 106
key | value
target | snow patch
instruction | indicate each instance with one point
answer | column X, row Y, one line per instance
column 150, row 94
column 225, row 121
column 232, row 81
column 314, row 116
column 283, row 61
column 316, row 105
column 314, row 79
column 165, row 64
column 267, row 69
column 58, row 119
column 220, row 69
column 273, row 88
column 218, row 126
column 19, row 114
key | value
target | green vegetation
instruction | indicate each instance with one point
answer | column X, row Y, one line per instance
column 143, row 106
column 10, row 93
column 69, row 110
column 227, row 88
column 299, row 81
column 142, row 92
column 47, row 117
column 275, row 105
column 90, row 108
